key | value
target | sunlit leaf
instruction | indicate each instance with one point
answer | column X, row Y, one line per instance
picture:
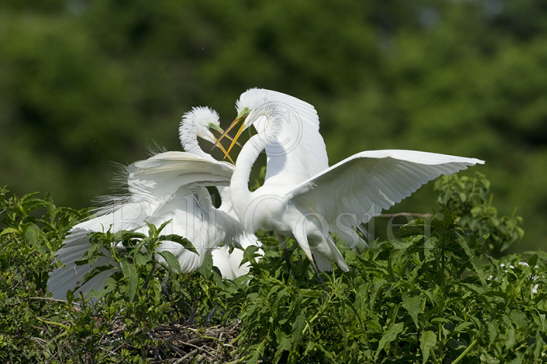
column 172, row 261
column 389, row 336
column 130, row 273
column 187, row 244
column 428, row 340
column 414, row 307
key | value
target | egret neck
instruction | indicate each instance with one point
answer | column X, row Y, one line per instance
column 239, row 184
column 189, row 139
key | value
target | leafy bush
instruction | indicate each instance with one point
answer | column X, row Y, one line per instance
column 439, row 291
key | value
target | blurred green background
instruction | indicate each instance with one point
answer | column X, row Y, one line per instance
column 84, row 83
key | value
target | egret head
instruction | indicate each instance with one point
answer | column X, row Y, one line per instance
column 247, row 105
column 202, row 120
column 249, row 101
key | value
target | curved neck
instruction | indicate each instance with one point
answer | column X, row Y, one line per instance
column 239, row 184
column 225, row 199
column 189, row 139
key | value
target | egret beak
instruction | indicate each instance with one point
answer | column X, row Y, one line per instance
column 216, row 128
column 226, row 154
column 240, row 118
column 231, row 139
column 227, row 136
column 219, row 145
column 225, row 133
column 236, row 137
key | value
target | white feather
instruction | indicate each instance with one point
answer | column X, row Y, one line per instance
column 297, row 152
column 361, row 186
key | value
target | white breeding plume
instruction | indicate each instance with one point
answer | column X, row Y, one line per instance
column 166, row 186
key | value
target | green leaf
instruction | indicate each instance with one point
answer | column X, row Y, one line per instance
column 510, row 338
column 389, row 336
column 463, row 326
column 162, row 226
column 128, row 235
column 284, row 344
column 257, row 353
column 428, row 340
column 9, row 230
column 141, row 259
column 152, row 230
column 32, row 236
column 540, row 346
column 463, row 243
column 414, row 307
column 206, row 268
column 187, row 244
column 130, row 273
column 172, row 261
column 250, row 253
column 298, row 328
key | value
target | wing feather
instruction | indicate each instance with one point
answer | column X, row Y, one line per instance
column 366, row 183
column 71, row 275
column 160, row 176
column 160, row 188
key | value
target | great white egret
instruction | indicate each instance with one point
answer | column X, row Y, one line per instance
column 336, row 199
column 297, row 151
column 166, row 186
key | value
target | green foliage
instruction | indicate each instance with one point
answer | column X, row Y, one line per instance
column 467, row 204
column 439, row 295
column 440, row 291
column 31, row 229
column 140, row 297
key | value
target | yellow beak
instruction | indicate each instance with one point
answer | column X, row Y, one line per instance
column 236, row 137
column 225, row 134
column 219, row 145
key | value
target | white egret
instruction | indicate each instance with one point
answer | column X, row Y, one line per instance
column 170, row 166
column 335, row 200
column 166, row 186
column 297, row 151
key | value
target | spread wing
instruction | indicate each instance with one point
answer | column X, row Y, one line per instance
column 360, row 187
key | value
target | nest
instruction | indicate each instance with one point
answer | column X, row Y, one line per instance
column 186, row 343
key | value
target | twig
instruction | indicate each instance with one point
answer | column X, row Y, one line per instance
column 40, row 340
column 465, row 352
column 115, row 331
column 47, row 299
column 407, row 214
column 58, row 324
column 193, row 346
column 181, row 360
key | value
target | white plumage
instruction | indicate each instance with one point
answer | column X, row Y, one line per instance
column 333, row 200
column 297, row 151
column 166, row 186
column 302, row 196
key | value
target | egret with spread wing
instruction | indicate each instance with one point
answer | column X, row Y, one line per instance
column 334, row 200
